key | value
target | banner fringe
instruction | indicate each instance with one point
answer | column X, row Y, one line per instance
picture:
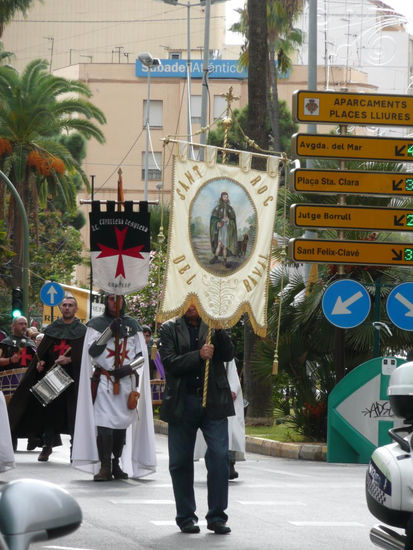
column 192, row 300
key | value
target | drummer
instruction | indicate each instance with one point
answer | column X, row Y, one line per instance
column 16, row 353
column 62, row 345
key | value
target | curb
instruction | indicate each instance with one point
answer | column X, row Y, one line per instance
column 268, row 447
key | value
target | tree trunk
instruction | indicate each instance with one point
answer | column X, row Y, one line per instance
column 258, row 389
column 257, row 72
column 273, row 108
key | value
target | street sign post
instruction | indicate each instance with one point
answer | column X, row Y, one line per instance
column 51, row 294
column 352, row 108
column 352, row 147
column 322, row 251
column 352, row 217
column 333, row 182
column 346, row 303
column 400, row 306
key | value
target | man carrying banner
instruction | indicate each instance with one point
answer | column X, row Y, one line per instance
column 61, row 347
column 184, row 353
column 115, row 355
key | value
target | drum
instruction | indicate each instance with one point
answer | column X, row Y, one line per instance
column 9, row 380
column 158, row 388
column 51, row 385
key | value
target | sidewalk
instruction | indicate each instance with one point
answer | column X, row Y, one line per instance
column 299, row 451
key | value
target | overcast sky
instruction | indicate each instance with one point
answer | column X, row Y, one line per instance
column 404, row 7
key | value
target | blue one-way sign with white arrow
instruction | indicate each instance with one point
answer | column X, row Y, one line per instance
column 51, row 294
column 400, row 306
column 346, row 303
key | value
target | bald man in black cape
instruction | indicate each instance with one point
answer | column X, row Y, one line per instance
column 62, row 344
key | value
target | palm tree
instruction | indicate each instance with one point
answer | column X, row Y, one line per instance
column 4, row 55
column 36, row 107
column 258, row 389
column 9, row 8
column 282, row 39
column 307, row 345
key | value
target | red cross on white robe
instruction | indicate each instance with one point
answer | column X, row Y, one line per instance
column 123, row 352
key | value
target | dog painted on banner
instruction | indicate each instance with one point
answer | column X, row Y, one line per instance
column 242, row 246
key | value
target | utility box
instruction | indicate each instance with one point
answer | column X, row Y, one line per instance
column 359, row 412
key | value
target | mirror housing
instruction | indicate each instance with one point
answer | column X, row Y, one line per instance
column 33, row 510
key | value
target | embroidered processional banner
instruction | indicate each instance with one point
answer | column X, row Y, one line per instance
column 119, row 248
column 219, row 241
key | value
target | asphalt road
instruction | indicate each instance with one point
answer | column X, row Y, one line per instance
column 275, row 504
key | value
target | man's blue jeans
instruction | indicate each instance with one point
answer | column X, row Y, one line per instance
column 181, row 443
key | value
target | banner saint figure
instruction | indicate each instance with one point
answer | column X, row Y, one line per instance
column 219, row 241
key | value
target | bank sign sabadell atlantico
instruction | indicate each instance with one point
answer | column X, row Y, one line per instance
column 176, row 68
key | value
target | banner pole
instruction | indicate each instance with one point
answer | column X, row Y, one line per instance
column 206, row 375
column 121, row 200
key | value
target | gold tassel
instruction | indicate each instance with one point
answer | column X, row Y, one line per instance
column 275, row 363
column 154, row 349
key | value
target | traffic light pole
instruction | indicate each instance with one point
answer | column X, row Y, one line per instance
column 25, row 224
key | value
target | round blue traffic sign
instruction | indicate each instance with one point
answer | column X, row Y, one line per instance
column 400, row 306
column 51, row 294
column 346, row 303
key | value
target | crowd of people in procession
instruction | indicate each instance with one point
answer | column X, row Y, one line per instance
column 93, row 383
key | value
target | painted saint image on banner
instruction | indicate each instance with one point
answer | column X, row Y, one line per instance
column 223, row 223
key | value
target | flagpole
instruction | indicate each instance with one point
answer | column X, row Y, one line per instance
column 121, row 200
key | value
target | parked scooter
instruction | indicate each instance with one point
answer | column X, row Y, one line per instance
column 32, row 511
column 389, row 478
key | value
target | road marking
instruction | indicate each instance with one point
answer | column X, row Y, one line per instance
column 140, row 501
column 137, row 483
column 326, row 524
column 171, row 522
column 292, row 485
column 281, row 472
column 67, row 548
column 270, row 503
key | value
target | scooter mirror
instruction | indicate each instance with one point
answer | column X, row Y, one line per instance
column 33, row 510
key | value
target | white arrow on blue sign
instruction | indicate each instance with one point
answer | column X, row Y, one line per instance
column 400, row 306
column 51, row 294
column 346, row 303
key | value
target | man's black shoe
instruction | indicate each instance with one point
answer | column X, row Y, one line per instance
column 233, row 474
column 44, row 455
column 220, row 528
column 190, row 528
column 33, row 443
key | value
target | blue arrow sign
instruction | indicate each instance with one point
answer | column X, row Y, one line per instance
column 51, row 294
column 400, row 306
column 346, row 303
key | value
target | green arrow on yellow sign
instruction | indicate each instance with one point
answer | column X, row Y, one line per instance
column 323, row 251
column 352, row 147
column 352, row 217
column 351, row 182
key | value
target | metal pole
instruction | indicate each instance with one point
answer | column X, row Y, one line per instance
column 205, row 72
column 25, row 224
column 188, row 70
column 145, row 193
column 312, row 85
column 92, row 177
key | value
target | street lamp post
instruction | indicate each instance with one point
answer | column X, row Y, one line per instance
column 149, row 62
column 204, row 99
